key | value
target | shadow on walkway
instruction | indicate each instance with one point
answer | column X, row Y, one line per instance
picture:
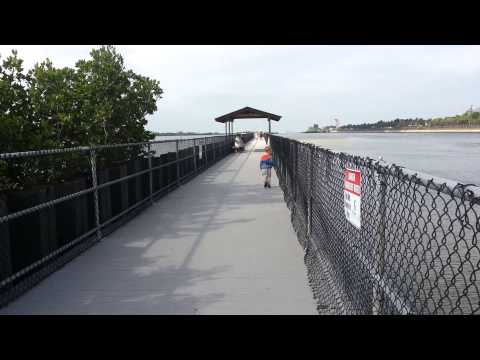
column 167, row 259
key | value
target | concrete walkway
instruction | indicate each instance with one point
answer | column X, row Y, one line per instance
column 221, row 244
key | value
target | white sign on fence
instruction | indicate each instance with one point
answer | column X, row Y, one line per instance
column 352, row 196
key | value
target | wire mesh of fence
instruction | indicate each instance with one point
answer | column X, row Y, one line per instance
column 56, row 203
column 416, row 251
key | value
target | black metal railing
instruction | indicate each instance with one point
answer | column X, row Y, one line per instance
column 56, row 203
column 416, row 250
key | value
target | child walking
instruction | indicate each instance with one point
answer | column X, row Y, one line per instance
column 266, row 165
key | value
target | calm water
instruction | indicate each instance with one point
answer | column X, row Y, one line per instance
column 454, row 156
column 180, row 137
column 171, row 146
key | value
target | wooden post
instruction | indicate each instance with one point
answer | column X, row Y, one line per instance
column 93, row 164
column 194, row 156
column 178, row 163
column 5, row 241
column 206, row 153
column 214, row 148
column 150, row 173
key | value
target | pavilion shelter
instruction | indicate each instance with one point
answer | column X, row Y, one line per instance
column 246, row 113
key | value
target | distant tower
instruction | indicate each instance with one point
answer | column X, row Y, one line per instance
column 337, row 123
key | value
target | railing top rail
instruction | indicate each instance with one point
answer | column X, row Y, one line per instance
column 447, row 186
column 21, row 154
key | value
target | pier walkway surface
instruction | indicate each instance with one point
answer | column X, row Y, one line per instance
column 220, row 244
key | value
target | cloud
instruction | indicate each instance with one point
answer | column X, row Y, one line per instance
column 304, row 84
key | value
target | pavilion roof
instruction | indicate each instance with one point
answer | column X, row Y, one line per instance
column 247, row 113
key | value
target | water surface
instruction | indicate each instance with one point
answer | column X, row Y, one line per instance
column 454, row 156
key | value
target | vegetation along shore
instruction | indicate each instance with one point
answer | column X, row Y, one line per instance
column 468, row 122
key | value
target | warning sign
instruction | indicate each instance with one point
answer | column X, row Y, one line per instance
column 352, row 196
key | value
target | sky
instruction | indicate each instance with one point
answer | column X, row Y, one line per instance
column 303, row 84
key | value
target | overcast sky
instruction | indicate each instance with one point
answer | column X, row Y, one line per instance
column 303, row 84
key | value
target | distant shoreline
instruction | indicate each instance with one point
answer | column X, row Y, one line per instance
column 187, row 134
column 448, row 130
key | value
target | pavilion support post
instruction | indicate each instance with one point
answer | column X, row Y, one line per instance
column 232, row 127
column 267, row 138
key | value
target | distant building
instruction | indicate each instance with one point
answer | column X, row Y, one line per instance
column 315, row 129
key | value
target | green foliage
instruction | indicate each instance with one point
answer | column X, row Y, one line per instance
column 97, row 102
column 117, row 99
column 17, row 127
column 467, row 120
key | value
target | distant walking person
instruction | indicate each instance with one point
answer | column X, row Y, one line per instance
column 239, row 144
column 266, row 165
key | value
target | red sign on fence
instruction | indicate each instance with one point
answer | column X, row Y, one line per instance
column 352, row 196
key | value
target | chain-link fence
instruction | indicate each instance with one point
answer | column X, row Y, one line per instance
column 416, row 250
column 56, row 203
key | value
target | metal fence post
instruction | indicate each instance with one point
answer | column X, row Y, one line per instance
column 150, row 173
column 295, row 158
column 378, row 294
column 93, row 163
column 194, row 157
column 178, row 163
column 310, row 192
